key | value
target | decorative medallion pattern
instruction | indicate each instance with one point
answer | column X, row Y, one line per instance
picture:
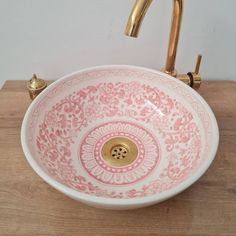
column 92, row 161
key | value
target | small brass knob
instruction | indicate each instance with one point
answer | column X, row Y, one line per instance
column 35, row 86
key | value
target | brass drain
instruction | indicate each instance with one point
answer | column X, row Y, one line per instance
column 119, row 152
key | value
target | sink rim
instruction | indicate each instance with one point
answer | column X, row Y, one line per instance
column 102, row 201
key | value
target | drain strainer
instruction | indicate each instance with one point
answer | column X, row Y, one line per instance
column 119, row 152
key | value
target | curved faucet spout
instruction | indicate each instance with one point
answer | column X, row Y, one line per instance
column 136, row 17
column 135, row 20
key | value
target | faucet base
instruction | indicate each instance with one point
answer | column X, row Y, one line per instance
column 172, row 73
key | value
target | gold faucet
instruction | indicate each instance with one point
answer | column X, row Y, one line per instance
column 138, row 12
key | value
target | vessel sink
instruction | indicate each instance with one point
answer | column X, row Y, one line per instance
column 119, row 137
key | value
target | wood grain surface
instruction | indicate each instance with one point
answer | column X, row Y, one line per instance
column 29, row 206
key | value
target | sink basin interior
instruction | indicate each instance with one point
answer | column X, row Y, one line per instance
column 120, row 132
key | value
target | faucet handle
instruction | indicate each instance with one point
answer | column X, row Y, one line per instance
column 198, row 63
column 195, row 78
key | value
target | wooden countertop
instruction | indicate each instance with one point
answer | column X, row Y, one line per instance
column 29, row 206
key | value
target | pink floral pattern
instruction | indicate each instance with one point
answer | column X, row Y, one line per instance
column 92, row 143
column 140, row 103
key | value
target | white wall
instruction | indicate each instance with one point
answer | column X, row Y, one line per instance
column 56, row 37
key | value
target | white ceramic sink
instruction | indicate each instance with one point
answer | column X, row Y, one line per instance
column 119, row 137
